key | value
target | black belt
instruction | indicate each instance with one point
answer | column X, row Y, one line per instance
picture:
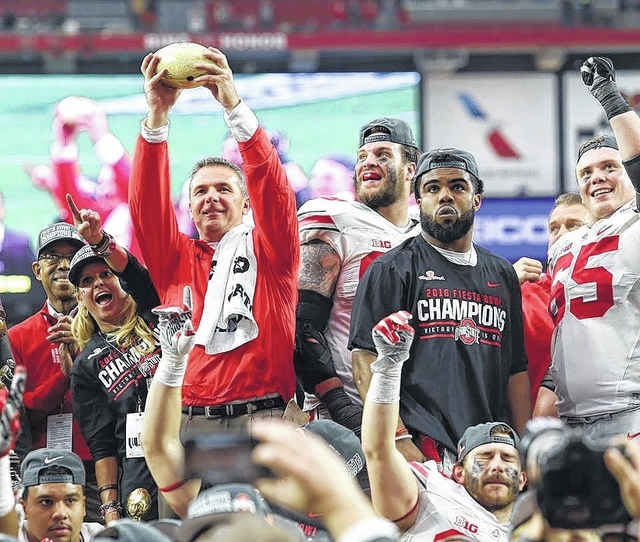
column 230, row 410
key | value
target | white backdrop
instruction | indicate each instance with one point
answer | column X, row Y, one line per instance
column 507, row 120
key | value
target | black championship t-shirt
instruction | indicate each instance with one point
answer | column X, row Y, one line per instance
column 468, row 334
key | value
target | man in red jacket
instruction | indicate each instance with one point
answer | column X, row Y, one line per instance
column 567, row 214
column 43, row 344
column 243, row 277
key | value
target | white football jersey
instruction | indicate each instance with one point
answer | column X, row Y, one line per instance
column 446, row 509
column 359, row 235
column 595, row 305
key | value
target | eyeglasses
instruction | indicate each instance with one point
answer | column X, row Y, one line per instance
column 53, row 258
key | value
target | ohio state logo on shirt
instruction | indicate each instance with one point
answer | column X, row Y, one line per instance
column 467, row 332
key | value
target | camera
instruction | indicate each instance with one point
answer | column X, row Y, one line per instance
column 222, row 458
column 574, row 488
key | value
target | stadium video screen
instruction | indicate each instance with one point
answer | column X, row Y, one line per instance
column 319, row 113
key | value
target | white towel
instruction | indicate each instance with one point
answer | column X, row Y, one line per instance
column 227, row 316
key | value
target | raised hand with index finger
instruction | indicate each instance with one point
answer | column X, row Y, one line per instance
column 87, row 222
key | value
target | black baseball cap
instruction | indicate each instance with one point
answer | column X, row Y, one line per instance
column 43, row 458
column 388, row 129
column 596, row 143
column 346, row 445
column 82, row 258
column 218, row 504
column 60, row 231
column 447, row 158
column 342, row 441
column 486, row 433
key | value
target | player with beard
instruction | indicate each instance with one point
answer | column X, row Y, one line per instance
column 339, row 239
column 468, row 364
column 487, row 476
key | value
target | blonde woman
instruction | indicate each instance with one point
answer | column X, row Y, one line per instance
column 118, row 356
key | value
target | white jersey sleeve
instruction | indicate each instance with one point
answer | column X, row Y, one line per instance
column 446, row 509
column 359, row 235
column 595, row 305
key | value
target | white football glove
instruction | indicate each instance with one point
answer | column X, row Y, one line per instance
column 176, row 339
column 392, row 336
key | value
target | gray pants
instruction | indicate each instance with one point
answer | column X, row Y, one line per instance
column 603, row 428
column 191, row 424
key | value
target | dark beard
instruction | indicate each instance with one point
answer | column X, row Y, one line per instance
column 387, row 195
column 447, row 233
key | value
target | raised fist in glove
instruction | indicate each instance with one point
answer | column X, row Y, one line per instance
column 599, row 75
column 393, row 337
column 176, row 339
column 11, row 403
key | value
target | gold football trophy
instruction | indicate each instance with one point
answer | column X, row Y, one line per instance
column 138, row 503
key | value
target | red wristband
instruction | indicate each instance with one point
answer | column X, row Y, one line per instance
column 402, row 431
column 413, row 509
column 172, row 487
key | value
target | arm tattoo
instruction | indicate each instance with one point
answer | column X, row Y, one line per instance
column 319, row 268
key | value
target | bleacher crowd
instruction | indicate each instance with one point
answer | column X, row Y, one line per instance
column 202, row 16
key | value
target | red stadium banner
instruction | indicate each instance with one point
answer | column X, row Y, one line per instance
column 513, row 37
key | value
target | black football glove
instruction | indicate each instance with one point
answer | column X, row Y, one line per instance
column 312, row 357
column 599, row 75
